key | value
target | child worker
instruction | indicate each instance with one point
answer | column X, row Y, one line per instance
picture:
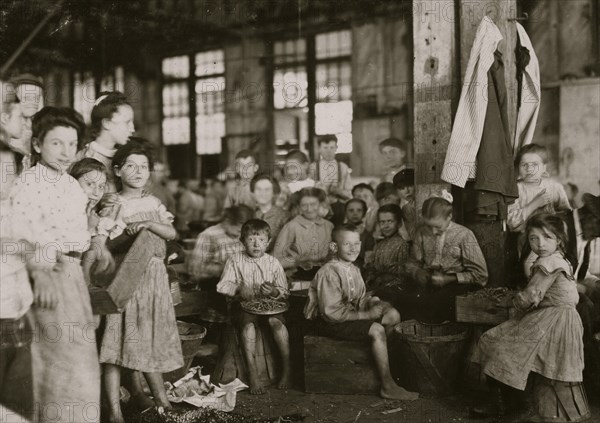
column 303, row 243
column 245, row 169
column 295, row 178
column 445, row 261
column 111, row 127
column 338, row 302
column 264, row 189
column 538, row 193
column 395, row 156
column 546, row 338
column 49, row 211
column 332, row 176
column 386, row 267
column 354, row 213
column 144, row 337
column 254, row 274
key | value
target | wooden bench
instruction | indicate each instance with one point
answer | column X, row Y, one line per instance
column 339, row 367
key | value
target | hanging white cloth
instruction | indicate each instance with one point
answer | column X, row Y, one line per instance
column 531, row 95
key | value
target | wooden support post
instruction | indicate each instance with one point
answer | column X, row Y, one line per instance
column 434, row 46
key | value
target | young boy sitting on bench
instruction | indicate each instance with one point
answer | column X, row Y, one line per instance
column 337, row 299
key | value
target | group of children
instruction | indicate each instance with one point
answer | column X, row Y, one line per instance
column 60, row 215
column 368, row 261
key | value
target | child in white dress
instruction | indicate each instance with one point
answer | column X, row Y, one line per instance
column 48, row 207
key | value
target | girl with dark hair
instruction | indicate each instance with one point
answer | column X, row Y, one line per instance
column 49, row 211
column 111, row 127
column 547, row 337
column 144, row 336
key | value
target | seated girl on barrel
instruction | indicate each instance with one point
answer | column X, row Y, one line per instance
column 253, row 274
column 338, row 302
column 547, row 336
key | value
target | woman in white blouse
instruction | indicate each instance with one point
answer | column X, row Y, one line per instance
column 49, row 211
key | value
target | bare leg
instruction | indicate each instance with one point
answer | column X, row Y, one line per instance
column 138, row 396
column 389, row 389
column 391, row 317
column 280, row 333
column 112, row 385
column 157, row 387
column 249, row 347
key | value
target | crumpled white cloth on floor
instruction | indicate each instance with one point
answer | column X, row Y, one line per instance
column 196, row 389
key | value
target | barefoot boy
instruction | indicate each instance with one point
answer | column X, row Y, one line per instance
column 254, row 274
column 337, row 296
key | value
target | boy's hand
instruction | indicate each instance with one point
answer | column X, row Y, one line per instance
column 439, row 280
column 267, row 289
column 44, row 289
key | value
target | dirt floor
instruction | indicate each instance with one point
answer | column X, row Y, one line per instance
column 363, row 408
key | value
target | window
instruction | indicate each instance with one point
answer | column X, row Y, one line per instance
column 332, row 108
column 85, row 89
column 210, row 101
column 205, row 72
column 175, row 101
column 290, row 96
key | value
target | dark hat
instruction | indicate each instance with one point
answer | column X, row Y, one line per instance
column 404, row 178
column 27, row 78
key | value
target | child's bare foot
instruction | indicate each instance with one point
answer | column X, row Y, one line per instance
column 256, row 389
column 284, row 382
column 398, row 393
column 142, row 402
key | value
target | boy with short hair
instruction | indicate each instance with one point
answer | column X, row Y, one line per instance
column 366, row 193
column 338, row 302
column 253, row 274
column 303, row 243
column 395, row 156
column 295, row 178
column 245, row 169
column 355, row 211
column 217, row 243
column 332, row 176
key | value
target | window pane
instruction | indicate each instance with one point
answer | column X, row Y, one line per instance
column 290, row 88
column 175, row 99
column 289, row 51
column 333, row 44
column 176, row 67
column 176, row 130
column 335, row 118
column 210, row 63
column 209, row 132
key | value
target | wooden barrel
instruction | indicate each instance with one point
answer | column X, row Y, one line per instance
column 231, row 363
column 428, row 358
column 191, row 336
column 560, row 401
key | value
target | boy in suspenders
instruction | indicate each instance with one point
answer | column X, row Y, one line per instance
column 332, row 175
